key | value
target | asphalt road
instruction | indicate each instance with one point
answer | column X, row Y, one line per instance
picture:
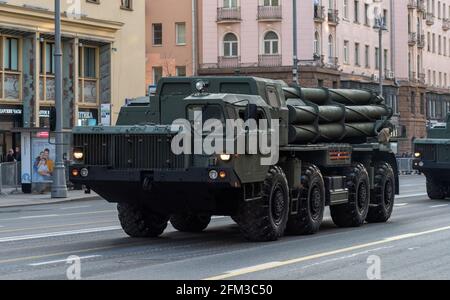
column 35, row 243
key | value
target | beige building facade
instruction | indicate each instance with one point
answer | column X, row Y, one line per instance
column 103, row 54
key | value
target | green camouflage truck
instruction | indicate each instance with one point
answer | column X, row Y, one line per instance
column 328, row 148
column 432, row 158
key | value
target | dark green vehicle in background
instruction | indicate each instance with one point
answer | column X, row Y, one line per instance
column 333, row 148
column 432, row 158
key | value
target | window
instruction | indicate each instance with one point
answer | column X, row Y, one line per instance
column 271, row 43
column 10, row 69
column 366, row 14
column 181, row 71
column 11, row 54
column 157, row 34
column 357, row 61
column 367, row 56
column 271, row 2
column 126, row 4
column 157, row 74
column 356, row 7
column 317, row 43
column 229, row 3
column 331, row 48
column 230, row 45
column 429, row 42
column 385, row 60
column 345, row 9
column 47, row 71
column 88, row 73
column 346, row 52
column 48, row 50
column 180, row 29
column 272, row 96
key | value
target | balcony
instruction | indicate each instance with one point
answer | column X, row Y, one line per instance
column 270, row 60
column 270, row 13
column 319, row 13
column 421, row 7
column 430, row 19
column 445, row 24
column 412, row 38
column 332, row 62
column 421, row 41
column 333, row 17
column 422, row 78
column 225, row 62
column 228, row 15
column 412, row 4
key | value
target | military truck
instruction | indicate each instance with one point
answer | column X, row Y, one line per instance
column 333, row 149
column 432, row 158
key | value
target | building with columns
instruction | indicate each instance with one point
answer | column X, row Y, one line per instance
column 103, row 62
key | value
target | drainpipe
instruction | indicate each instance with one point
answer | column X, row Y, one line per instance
column 194, row 37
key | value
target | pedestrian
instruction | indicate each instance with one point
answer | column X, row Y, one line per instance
column 10, row 156
column 18, row 155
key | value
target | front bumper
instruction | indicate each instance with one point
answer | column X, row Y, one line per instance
column 97, row 174
column 423, row 166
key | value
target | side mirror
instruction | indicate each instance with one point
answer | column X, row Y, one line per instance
column 251, row 111
column 52, row 119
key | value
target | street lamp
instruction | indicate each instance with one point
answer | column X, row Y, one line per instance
column 380, row 26
column 59, row 186
column 294, row 32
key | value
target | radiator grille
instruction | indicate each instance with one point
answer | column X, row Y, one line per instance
column 129, row 151
column 428, row 152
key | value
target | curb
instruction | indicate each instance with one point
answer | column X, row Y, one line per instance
column 50, row 201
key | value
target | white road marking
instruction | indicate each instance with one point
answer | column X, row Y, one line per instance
column 277, row 264
column 38, row 217
column 60, row 215
column 52, row 262
column 57, row 234
column 438, row 206
column 411, row 195
column 401, row 204
column 75, row 207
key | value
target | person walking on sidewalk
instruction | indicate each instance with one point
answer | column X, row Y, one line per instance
column 10, row 156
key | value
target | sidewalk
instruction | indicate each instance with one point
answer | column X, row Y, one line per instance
column 11, row 199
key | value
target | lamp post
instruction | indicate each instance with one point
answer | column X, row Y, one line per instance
column 59, row 187
column 380, row 26
column 294, row 32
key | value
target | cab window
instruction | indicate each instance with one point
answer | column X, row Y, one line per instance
column 272, row 96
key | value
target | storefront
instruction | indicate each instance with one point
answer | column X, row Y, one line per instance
column 10, row 118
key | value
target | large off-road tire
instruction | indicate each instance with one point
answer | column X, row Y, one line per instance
column 190, row 222
column 354, row 213
column 311, row 203
column 435, row 188
column 383, row 194
column 139, row 222
column 265, row 219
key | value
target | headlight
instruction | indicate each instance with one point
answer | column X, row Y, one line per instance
column 417, row 154
column 225, row 157
column 78, row 154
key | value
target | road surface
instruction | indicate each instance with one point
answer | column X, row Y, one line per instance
column 36, row 241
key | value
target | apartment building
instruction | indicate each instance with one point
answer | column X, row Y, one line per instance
column 171, row 46
column 103, row 55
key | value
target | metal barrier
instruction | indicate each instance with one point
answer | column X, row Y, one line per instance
column 10, row 176
column 405, row 166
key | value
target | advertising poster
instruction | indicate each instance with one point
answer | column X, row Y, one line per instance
column 43, row 160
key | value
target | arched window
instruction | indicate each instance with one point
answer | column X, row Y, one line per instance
column 271, row 43
column 331, row 48
column 316, row 43
column 230, row 45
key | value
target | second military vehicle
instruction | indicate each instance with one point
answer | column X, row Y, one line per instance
column 332, row 145
column 432, row 158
